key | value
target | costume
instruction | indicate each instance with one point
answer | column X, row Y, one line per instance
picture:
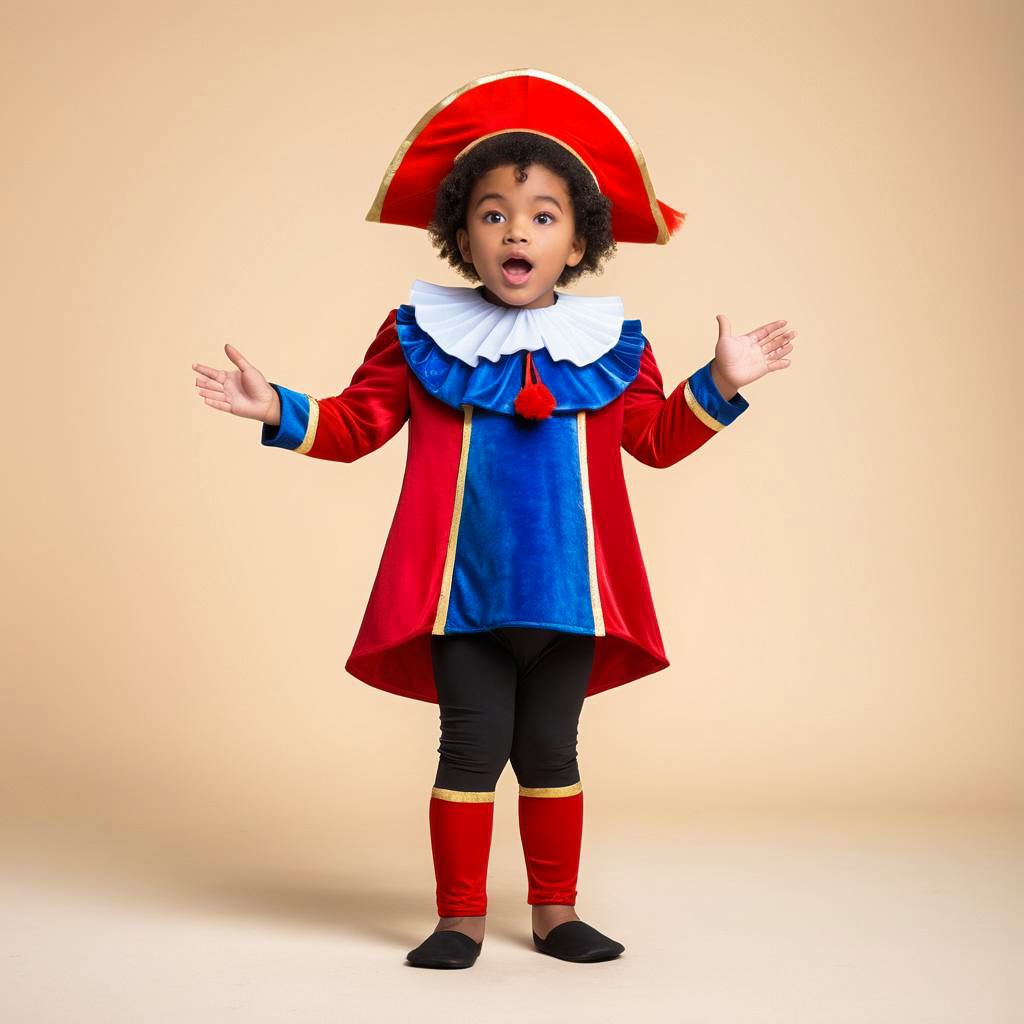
column 501, row 520
column 513, row 510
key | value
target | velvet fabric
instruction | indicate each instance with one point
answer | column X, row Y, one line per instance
column 494, row 385
column 525, row 100
column 460, row 844
column 368, row 413
column 551, row 830
column 522, row 552
column 392, row 649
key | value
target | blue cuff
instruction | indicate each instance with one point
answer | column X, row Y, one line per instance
column 707, row 402
column 291, row 431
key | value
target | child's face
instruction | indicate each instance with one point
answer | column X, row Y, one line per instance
column 532, row 219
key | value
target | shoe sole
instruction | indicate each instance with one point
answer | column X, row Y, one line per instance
column 439, row 966
column 586, row 958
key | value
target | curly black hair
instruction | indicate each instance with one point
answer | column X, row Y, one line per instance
column 592, row 209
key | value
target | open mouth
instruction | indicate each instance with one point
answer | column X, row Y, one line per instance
column 516, row 270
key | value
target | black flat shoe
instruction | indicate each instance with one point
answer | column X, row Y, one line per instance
column 447, row 948
column 578, row 943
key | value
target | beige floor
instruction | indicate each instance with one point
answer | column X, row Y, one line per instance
column 787, row 921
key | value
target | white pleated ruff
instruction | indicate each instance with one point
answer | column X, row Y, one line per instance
column 469, row 327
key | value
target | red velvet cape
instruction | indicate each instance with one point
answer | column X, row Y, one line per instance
column 392, row 648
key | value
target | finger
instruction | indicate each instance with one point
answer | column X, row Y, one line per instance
column 724, row 327
column 779, row 353
column 777, row 341
column 209, row 382
column 236, row 357
column 778, row 364
column 762, row 332
column 210, row 371
column 207, row 393
column 217, row 405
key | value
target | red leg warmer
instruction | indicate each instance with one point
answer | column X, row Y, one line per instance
column 460, row 840
column 551, row 827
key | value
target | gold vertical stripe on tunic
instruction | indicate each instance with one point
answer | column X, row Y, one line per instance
column 595, row 593
column 453, row 534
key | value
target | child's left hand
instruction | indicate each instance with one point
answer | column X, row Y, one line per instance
column 742, row 358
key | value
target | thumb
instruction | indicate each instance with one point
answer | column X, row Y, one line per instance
column 236, row 357
column 724, row 327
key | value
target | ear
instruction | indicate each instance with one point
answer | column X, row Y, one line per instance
column 576, row 253
column 462, row 238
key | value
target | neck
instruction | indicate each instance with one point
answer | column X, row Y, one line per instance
column 543, row 301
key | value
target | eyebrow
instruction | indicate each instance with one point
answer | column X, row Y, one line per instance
column 498, row 195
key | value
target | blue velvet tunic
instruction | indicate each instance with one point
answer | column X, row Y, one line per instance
column 523, row 541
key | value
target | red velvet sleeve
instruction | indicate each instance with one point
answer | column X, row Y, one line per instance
column 347, row 426
column 659, row 431
column 372, row 409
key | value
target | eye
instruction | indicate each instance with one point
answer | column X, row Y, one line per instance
column 489, row 213
column 550, row 219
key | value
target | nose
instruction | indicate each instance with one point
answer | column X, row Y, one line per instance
column 515, row 232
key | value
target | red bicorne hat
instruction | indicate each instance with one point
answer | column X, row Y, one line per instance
column 525, row 100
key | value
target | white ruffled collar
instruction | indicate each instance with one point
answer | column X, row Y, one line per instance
column 466, row 325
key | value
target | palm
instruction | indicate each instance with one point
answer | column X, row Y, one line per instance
column 243, row 391
column 743, row 358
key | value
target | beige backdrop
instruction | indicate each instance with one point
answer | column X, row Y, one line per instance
column 836, row 575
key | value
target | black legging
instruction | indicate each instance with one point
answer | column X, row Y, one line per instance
column 513, row 693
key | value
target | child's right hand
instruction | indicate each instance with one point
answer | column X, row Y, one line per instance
column 243, row 392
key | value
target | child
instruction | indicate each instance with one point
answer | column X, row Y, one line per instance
column 511, row 586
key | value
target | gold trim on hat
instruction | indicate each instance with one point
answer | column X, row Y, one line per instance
column 530, row 131
column 459, row 797
column 396, row 160
column 453, row 534
column 576, row 787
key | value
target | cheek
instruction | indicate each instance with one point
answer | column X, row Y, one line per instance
column 566, row 241
column 475, row 238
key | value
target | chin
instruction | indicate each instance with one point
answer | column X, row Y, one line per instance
column 520, row 296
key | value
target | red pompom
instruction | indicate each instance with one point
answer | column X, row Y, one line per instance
column 534, row 401
column 673, row 218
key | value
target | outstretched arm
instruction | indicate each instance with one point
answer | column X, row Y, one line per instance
column 659, row 430
column 343, row 428
column 347, row 426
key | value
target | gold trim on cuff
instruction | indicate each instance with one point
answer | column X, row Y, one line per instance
column 311, row 425
column 698, row 410
column 457, row 796
column 576, row 787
